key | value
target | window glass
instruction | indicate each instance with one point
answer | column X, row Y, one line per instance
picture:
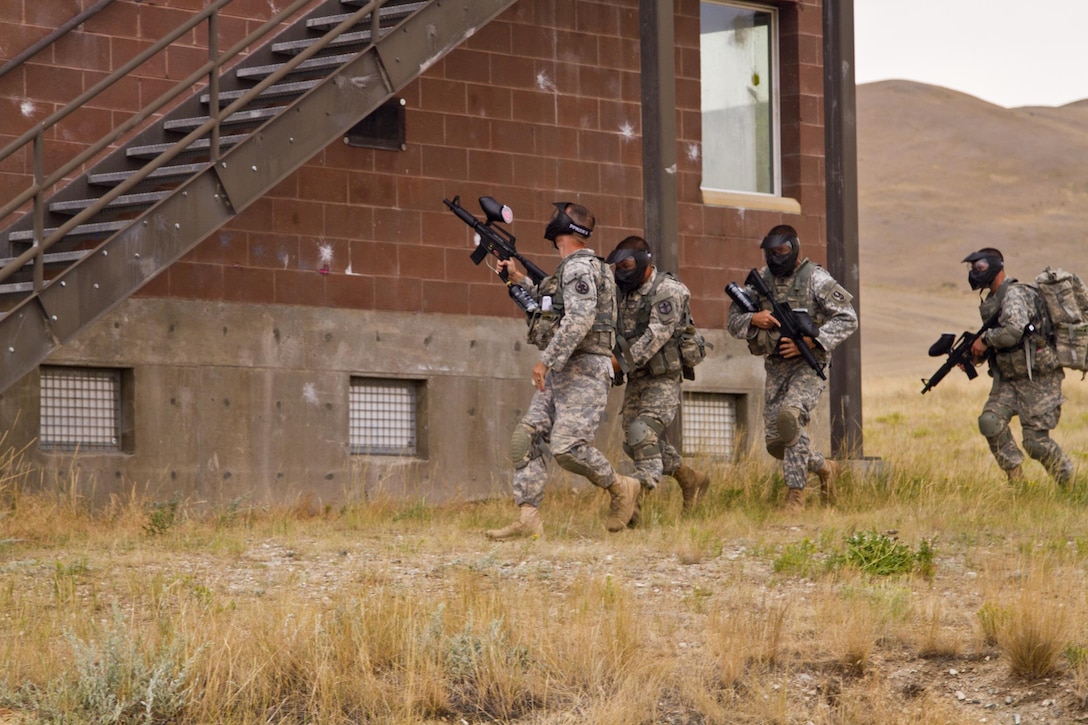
column 739, row 98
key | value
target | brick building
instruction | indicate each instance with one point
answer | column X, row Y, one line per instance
column 322, row 330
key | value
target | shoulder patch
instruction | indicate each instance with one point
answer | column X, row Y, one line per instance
column 665, row 307
column 581, row 287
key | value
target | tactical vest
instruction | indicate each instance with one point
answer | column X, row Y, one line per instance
column 798, row 296
column 665, row 361
column 1033, row 352
column 545, row 323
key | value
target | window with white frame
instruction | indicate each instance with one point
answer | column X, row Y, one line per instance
column 709, row 425
column 739, row 79
column 384, row 416
column 81, row 409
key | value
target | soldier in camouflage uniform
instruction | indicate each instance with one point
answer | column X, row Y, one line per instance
column 792, row 388
column 652, row 307
column 575, row 329
column 1025, row 370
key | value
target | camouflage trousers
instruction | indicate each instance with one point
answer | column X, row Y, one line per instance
column 1038, row 403
column 655, row 401
column 561, row 422
column 791, row 384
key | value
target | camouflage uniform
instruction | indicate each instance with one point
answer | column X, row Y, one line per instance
column 1038, row 399
column 576, row 334
column 649, row 320
column 791, row 385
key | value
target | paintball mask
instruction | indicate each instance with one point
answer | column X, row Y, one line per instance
column 985, row 264
column 563, row 224
column 781, row 264
column 629, row 277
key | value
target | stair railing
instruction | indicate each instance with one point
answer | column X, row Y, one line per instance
column 53, row 37
column 210, row 68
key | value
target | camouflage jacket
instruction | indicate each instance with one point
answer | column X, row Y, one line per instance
column 650, row 317
column 580, row 298
column 1018, row 341
column 810, row 287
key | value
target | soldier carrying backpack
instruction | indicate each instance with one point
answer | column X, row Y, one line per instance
column 1027, row 374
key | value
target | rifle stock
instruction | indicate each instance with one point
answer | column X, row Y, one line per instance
column 790, row 324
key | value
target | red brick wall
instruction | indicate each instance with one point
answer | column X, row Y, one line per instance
column 540, row 105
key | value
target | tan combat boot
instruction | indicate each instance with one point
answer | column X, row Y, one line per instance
column 795, row 499
column 528, row 524
column 636, row 515
column 1015, row 474
column 624, row 492
column 828, row 475
column 693, row 485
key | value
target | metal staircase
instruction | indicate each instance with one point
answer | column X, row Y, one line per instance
column 76, row 254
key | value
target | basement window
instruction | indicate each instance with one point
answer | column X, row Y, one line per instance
column 382, row 129
column 384, row 416
column 709, row 425
column 84, row 409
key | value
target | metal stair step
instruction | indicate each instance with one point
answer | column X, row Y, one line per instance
column 313, row 65
column 279, row 90
column 83, row 230
column 21, row 288
column 53, row 257
column 386, row 13
column 234, row 119
column 163, row 173
column 294, row 47
column 150, row 151
column 125, row 201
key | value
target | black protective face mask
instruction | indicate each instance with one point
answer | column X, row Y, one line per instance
column 563, row 224
column 782, row 265
column 629, row 280
column 983, row 270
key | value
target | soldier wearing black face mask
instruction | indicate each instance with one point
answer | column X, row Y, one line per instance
column 1025, row 369
column 652, row 311
column 792, row 388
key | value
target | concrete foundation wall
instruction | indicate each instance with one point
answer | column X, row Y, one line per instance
column 251, row 401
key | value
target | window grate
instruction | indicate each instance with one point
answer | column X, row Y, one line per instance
column 80, row 409
column 709, row 424
column 383, row 417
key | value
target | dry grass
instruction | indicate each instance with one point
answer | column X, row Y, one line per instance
column 396, row 612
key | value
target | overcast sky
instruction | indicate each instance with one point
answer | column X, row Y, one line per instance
column 1008, row 52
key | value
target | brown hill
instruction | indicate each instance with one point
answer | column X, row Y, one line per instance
column 941, row 174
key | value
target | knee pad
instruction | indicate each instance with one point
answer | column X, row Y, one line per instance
column 788, row 423
column 990, row 424
column 777, row 448
column 641, row 439
column 521, row 446
column 572, row 461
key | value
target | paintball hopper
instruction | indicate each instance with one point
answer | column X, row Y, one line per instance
column 943, row 345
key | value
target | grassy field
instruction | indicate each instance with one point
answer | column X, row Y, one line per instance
column 933, row 593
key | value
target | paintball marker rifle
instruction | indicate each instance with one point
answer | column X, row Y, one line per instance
column 496, row 240
column 793, row 324
column 958, row 352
